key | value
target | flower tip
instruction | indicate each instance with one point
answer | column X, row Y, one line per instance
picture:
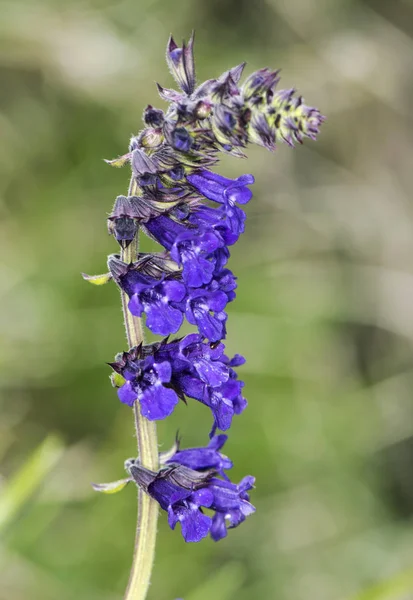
column 237, row 71
column 191, row 40
column 172, row 45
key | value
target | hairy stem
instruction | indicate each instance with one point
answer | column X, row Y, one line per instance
column 145, row 539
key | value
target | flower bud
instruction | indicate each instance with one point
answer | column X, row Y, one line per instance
column 202, row 109
column 154, row 117
column 181, row 64
column 150, row 138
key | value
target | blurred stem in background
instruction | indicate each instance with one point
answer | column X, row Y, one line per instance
column 146, row 528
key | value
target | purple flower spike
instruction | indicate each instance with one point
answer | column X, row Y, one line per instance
column 195, row 214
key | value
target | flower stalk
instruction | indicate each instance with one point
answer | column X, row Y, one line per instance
column 145, row 538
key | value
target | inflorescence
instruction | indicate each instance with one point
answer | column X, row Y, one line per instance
column 195, row 215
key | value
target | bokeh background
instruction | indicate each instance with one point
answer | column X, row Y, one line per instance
column 324, row 312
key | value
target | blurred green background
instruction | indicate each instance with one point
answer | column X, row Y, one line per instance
column 324, row 312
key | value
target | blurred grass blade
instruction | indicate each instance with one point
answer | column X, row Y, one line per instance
column 28, row 478
column 223, row 585
column 399, row 587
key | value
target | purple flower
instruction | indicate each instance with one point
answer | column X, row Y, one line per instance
column 222, row 395
column 222, row 189
column 205, row 305
column 208, row 360
column 187, row 485
column 165, row 298
column 190, row 247
column 164, row 230
column 158, row 374
column 201, row 459
column 224, row 401
column 205, row 309
column 147, row 382
column 231, row 505
column 181, row 140
column 160, row 300
column 207, row 217
column 201, row 371
column 193, row 250
column 228, row 193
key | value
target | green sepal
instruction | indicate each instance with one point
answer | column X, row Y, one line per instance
column 113, row 487
column 117, row 380
column 119, row 162
column 97, row 279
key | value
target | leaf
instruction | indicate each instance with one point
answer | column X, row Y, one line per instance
column 398, row 587
column 113, row 487
column 97, row 279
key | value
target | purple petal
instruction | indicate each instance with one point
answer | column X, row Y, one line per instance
column 135, row 306
column 202, row 497
column 217, row 301
column 247, row 483
column 218, row 441
column 223, row 412
column 212, row 373
column 157, row 402
column 218, row 528
column 236, row 361
column 240, row 194
column 195, row 525
column 127, row 394
column 164, row 371
column 174, row 291
column 197, row 270
column 192, row 387
column 210, row 326
column 163, row 319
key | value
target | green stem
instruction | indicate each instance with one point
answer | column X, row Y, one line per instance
column 145, row 539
